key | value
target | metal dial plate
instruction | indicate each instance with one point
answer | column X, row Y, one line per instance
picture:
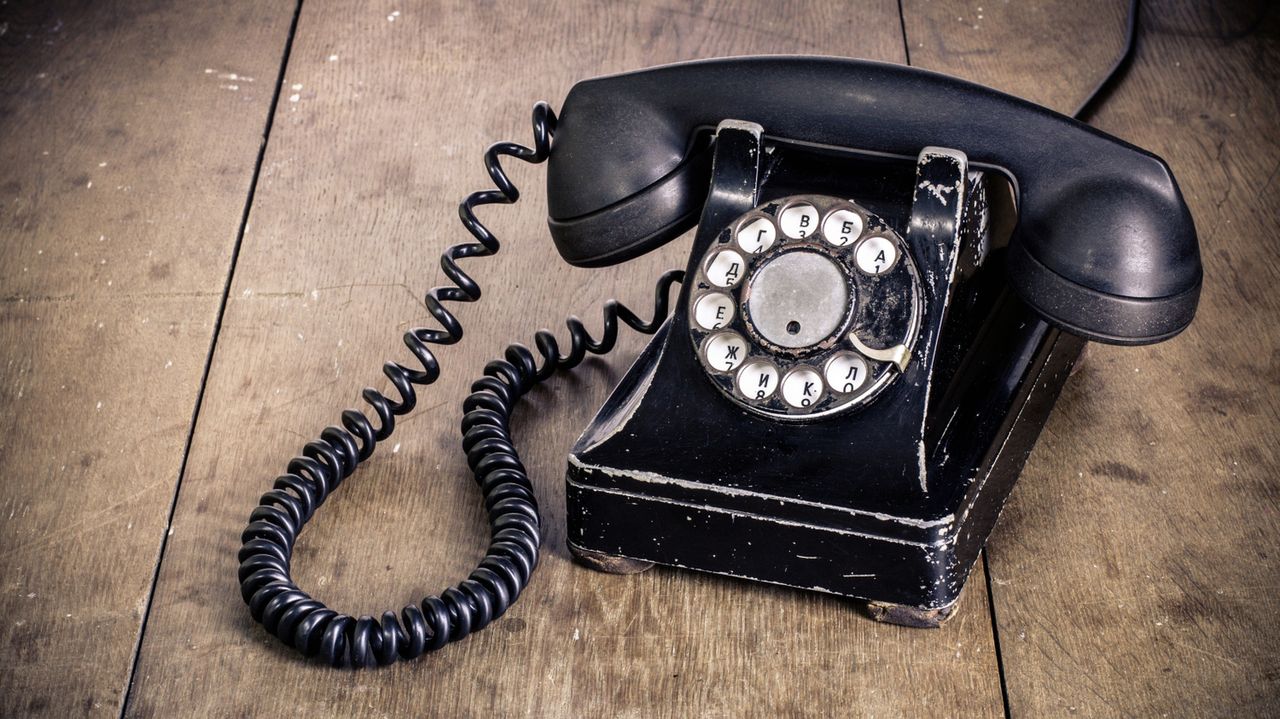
column 804, row 307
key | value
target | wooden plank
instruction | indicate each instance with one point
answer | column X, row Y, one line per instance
column 128, row 136
column 380, row 138
column 1134, row 569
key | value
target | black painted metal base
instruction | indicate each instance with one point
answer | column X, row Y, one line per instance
column 889, row 504
column 886, row 612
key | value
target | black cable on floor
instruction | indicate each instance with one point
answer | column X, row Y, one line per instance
column 308, row 625
column 1100, row 93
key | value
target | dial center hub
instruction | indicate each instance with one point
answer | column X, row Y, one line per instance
column 798, row 298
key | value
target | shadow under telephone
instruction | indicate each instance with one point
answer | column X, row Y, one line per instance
column 892, row 274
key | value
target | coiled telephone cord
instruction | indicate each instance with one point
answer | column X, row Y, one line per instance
column 308, row 625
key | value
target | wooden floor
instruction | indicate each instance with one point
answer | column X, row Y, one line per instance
column 183, row 304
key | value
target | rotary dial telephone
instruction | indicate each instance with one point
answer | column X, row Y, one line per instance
column 892, row 274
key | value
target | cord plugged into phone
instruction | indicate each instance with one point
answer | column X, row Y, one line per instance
column 885, row 292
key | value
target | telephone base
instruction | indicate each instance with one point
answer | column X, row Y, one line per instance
column 624, row 499
column 608, row 563
column 889, row 504
column 909, row 616
column 887, row 612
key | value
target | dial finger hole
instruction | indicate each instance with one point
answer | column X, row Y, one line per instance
column 713, row 311
column 726, row 268
column 799, row 220
column 842, row 228
column 757, row 235
column 725, row 351
column 758, row 380
column 846, row 372
column 876, row 255
column 802, row 387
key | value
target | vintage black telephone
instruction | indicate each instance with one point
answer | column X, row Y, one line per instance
column 892, row 275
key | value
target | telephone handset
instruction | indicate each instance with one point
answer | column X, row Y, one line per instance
column 892, row 275
column 1104, row 247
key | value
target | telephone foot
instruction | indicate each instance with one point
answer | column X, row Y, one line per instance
column 608, row 563
column 906, row 616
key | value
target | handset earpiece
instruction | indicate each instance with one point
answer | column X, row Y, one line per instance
column 636, row 223
column 1105, row 246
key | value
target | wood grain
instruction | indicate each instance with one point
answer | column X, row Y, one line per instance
column 379, row 137
column 1135, row 567
column 127, row 142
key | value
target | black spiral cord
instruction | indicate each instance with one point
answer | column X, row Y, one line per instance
column 309, row 626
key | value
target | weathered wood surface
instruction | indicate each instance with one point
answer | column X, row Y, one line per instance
column 1135, row 570
column 378, row 139
column 127, row 143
